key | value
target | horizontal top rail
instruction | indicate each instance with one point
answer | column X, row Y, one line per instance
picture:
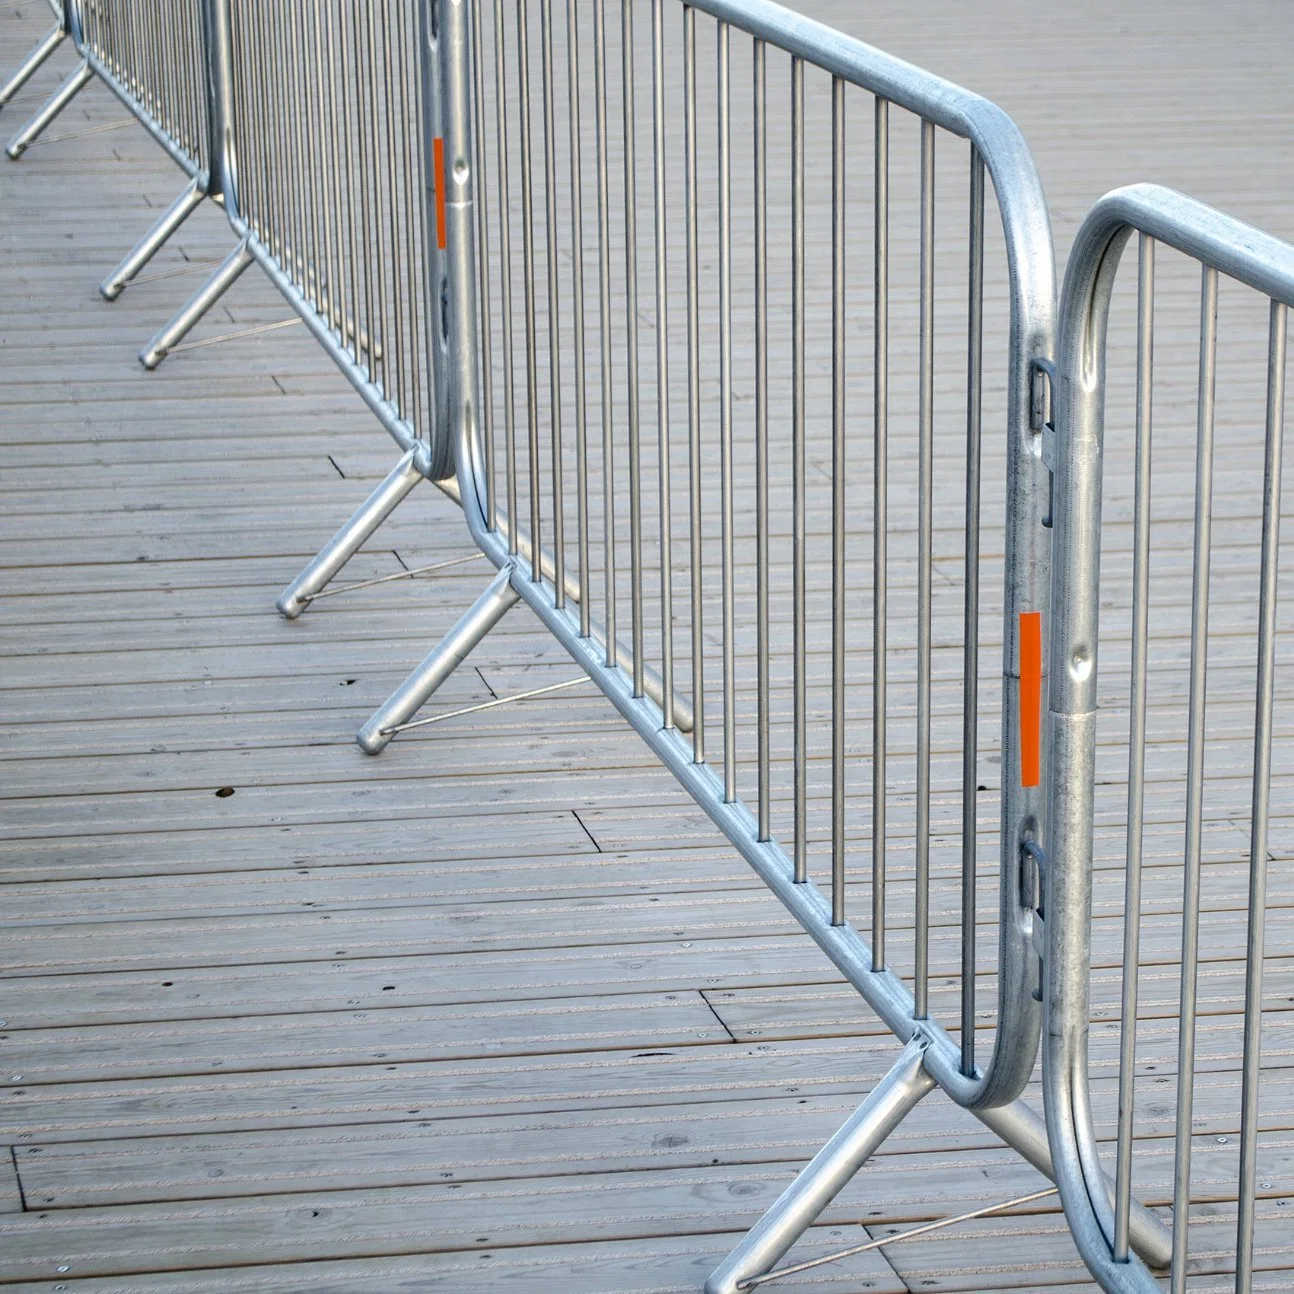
column 1025, row 219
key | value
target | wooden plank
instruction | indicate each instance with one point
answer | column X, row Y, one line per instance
column 11, row 1200
column 654, row 1266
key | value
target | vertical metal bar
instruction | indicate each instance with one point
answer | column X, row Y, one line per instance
column 604, row 325
column 1276, row 352
column 799, row 682
column 725, row 421
column 970, row 618
column 482, row 195
column 505, row 276
column 925, row 514
column 694, row 387
column 662, row 369
column 761, row 436
column 554, row 320
column 1136, row 741
column 631, row 342
column 839, row 663
column 415, row 154
column 528, row 274
column 1195, row 776
column 880, row 550
column 364, row 130
column 577, row 285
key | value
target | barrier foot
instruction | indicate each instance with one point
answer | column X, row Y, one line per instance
column 486, row 612
column 826, row 1175
column 171, row 219
column 34, row 62
column 64, row 95
column 207, row 296
column 351, row 537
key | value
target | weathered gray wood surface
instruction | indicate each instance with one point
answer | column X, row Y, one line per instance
column 499, row 1010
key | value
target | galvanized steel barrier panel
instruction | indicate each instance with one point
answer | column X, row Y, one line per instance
column 581, row 290
column 327, row 132
column 154, row 58
column 159, row 61
column 1099, row 770
column 326, row 129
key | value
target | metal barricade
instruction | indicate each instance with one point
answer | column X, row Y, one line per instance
column 324, row 128
column 306, row 128
column 725, row 533
column 157, row 60
column 1101, row 767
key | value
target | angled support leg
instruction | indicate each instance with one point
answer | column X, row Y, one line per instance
column 34, row 62
column 352, row 536
column 207, row 296
column 171, row 219
column 486, row 612
column 64, row 95
column 827, row 1174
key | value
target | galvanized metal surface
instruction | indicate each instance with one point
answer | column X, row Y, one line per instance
column 989, row 1248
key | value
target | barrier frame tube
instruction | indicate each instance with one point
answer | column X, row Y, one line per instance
column 1221, row 245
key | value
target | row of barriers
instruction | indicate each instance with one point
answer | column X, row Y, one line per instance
column 662, row 296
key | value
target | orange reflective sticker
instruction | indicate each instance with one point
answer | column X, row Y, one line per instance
column 438, row 154
column 1030, row 697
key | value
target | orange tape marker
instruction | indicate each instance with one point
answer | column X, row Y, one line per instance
column 1030, row 697
column 438, row 155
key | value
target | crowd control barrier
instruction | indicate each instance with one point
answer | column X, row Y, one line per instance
column 547, row 402
column 156, row 60
column 1085, row 779
column 653, row 291
column 320, row 176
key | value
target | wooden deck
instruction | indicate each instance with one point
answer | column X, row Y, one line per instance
column 498, row 1010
